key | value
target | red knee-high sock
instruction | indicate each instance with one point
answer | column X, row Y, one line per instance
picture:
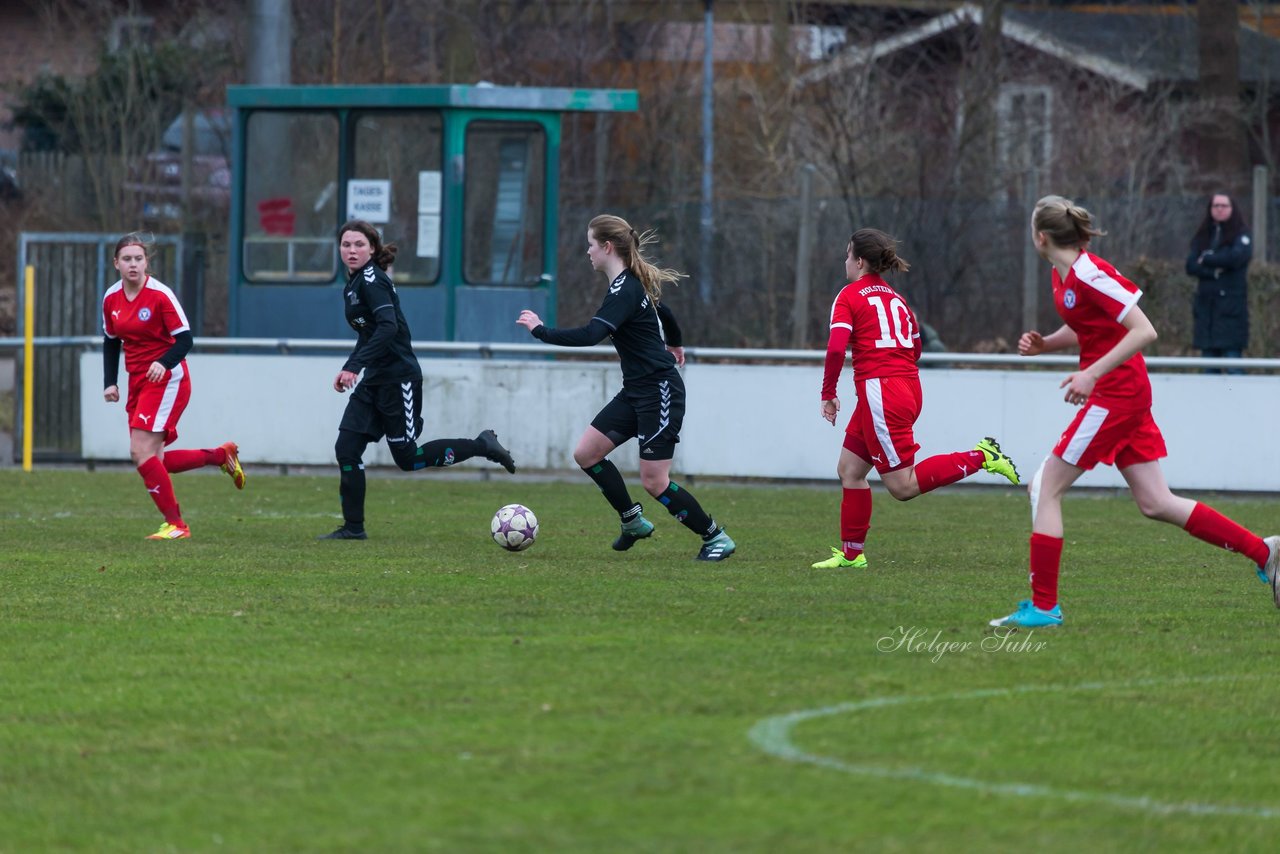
column 855, row 520
column 156, row 478
column 947, row 468
column 177, row 461
column 1209, row 525
column 1046, row 559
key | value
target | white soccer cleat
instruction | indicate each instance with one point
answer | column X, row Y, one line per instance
column 1270, row 571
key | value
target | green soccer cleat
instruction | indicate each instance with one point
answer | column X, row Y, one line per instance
column 997, row 461
column 637, row 529
column 1028, row 616
column 839, row 561
column 171, row 532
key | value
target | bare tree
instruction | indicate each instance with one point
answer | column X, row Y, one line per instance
column 1219, row 48
column 144, row 72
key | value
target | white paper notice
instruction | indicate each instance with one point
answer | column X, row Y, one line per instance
column 429, row 190
column 428, row 235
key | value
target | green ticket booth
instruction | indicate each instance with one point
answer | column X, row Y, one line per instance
column 463, row 179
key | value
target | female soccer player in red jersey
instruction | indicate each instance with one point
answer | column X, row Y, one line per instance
column 143, row 316
column 1100, row 311
column 885, row 340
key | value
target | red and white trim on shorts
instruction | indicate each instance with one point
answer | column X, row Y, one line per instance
column 172, row 386
column 875, row 404
column 1085, row 432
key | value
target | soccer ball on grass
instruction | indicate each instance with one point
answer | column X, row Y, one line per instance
column 514, row 527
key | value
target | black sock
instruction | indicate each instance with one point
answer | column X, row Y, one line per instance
column 444, row 452
column 351, row 489
column 688, row 511
column 609, row 479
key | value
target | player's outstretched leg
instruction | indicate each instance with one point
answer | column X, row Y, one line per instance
column 680, row 503
column 492, row 451
column 231, row 465
column 839, row 561
column 997, row 461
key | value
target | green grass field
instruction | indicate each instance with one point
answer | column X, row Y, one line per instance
column 255, row 690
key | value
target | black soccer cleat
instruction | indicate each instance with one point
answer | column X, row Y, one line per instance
column 344, row 533
column 494, row 452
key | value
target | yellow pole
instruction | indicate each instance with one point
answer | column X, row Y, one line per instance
column 28, row 364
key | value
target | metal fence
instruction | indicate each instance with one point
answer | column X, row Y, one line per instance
column 969, row 261
column 72, row 271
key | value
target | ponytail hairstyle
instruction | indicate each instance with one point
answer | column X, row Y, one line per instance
column 142, row 239
column 607, row 228
column 381, row 255
column 878, row 249
column 1066, row 224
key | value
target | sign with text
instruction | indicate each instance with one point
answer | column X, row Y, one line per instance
column 369, row 200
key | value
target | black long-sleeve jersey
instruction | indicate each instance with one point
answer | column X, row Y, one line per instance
column 383, row 341
column 641, row 331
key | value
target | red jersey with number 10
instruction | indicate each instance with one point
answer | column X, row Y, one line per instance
column 146, row 324
column 874, row 322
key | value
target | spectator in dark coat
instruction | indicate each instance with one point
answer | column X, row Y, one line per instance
column 1220, row 253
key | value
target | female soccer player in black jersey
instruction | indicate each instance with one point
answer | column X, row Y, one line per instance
column 650, row 406
column 388, row 400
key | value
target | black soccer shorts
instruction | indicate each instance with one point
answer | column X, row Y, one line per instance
column 393, row 410
column 651, row 414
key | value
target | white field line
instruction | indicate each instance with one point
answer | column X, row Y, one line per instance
column 773, row 736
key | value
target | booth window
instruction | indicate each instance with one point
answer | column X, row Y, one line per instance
column 291, row 196
column 505, row 197
column 403, row 154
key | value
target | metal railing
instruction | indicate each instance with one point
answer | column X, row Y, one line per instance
column 692, row 354
column 57, row 428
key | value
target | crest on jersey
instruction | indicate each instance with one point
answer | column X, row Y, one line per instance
column 1069, row 298
column 616, row 284
column 144, row 313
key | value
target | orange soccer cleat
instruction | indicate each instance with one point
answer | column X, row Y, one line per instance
column 232, row 464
